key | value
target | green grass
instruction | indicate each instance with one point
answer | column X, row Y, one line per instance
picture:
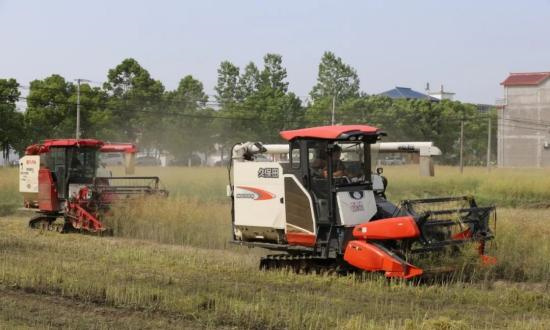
column 169, row 265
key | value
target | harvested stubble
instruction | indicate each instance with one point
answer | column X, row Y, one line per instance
column 216, row 288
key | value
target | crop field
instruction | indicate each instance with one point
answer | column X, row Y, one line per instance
column 169, row 265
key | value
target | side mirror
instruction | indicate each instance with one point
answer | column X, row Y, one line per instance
column 379, row 170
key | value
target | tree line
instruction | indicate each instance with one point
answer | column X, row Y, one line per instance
column 250, row 104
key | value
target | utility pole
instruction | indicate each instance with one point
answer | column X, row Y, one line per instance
column 489, row 145
column 335, row 92
column 78, row 81
column 461, row 146
column 333, row 108
column 77, row 109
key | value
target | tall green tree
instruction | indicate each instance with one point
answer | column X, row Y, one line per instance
column 228, row 94
column 337, row 83
column 12, row 131
column 135, row 100
column 249, row 82
column 335, row 78
column 273, row 75
column 274, row 107
column 227, row 90
column 50, row 111
column 256, row 105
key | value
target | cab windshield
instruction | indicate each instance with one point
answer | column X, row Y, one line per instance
column 348, row 160
column 82, row 163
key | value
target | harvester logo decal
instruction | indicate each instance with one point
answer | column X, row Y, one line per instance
column 268, row 172
column 254, row 193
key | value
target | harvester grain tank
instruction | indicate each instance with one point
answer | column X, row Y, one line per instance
column 59, row 179
column 324, row 208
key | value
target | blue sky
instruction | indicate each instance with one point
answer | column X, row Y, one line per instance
column 469, row 46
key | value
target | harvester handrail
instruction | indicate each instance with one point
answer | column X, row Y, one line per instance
column 447, row 222
column 462, row 210
column 436, row 200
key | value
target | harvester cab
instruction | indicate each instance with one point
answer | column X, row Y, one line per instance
column 62, row 178
column 325, row 208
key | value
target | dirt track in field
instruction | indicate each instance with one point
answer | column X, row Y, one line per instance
column 21, row 308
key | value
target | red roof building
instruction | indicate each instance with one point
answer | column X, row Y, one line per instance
column 526, row 79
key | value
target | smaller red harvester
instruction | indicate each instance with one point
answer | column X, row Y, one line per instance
column 62, row 178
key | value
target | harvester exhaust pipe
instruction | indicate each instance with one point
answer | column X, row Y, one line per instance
column 129, row 150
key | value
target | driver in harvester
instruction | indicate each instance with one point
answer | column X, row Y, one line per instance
column 338, row 167
column 320, row 165
column 76, row 165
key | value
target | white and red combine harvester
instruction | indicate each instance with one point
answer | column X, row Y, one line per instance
column 325, row 208
column 62, row 179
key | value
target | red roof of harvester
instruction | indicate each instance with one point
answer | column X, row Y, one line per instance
column 328, row 132
column 36, row 149
column 73, row 143
column 526, row 79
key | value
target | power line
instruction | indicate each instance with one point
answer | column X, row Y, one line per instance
column 528, row 121
column 185, row 115
column 524, row 127
column 94, row 91
column 320, row 117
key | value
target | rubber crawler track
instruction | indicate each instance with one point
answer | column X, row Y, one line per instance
column 302, row 264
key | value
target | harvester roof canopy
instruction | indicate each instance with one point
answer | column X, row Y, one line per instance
column 93, row 143
column 36, row 149
column 335, row 132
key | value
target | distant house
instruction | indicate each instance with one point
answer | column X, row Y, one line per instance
column 408, row 94
column 441, row 94
column 524, row 121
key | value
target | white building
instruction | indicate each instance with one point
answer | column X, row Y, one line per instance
column 524, row 121
column 442, row 94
